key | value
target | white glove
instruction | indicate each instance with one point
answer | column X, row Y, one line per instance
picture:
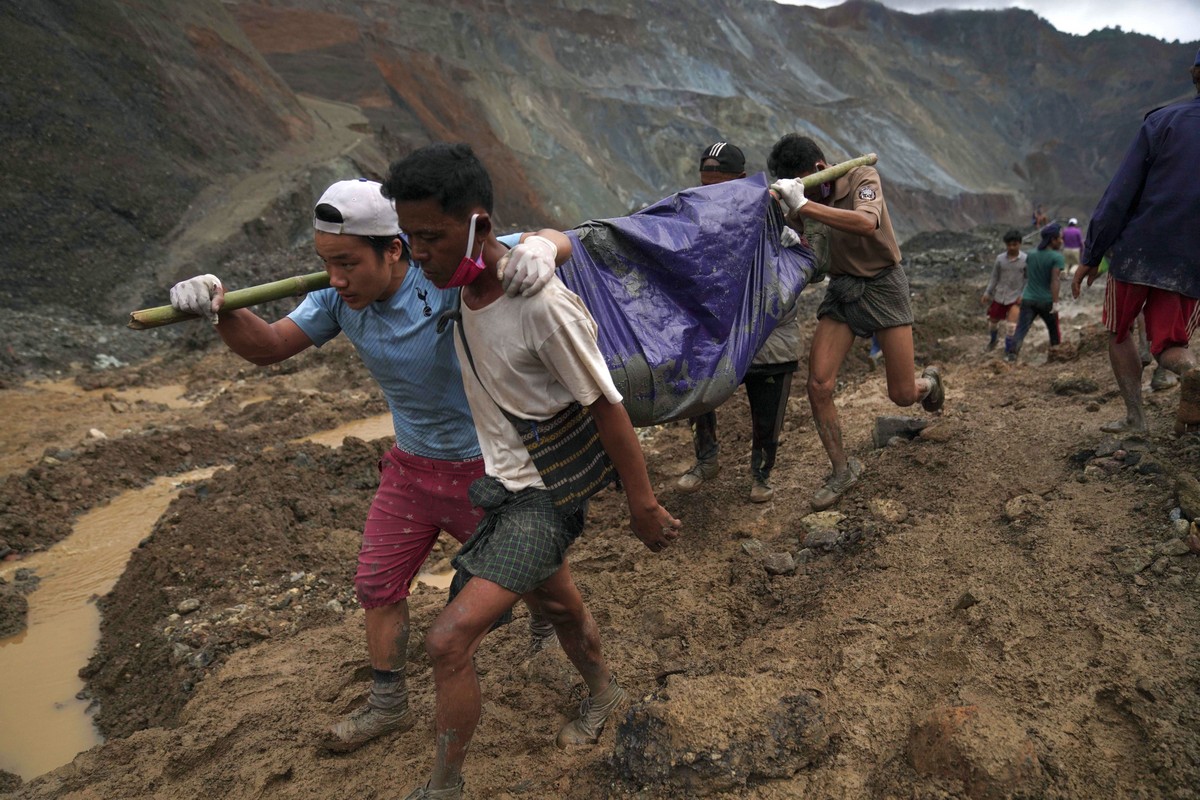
column 789, row 238
column 201, row 295
column 528, row 267
column 790, row 192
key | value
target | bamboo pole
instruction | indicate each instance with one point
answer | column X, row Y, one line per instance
column 302, row 284
column 837, row 170
column 239, row 298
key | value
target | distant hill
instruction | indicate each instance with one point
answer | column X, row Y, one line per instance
column 118, row 115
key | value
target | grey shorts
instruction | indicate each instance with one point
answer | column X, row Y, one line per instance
column 868, row 304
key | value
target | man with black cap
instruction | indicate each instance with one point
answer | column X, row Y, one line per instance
column 769, row 379
column 1043, row 270
column 1147, row 224
column 720, row 162
column 389, row 310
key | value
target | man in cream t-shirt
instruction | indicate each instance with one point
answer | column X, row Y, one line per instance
column 535, row 356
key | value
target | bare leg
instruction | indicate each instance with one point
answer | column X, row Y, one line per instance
column 1014, row 313
column 452, row 642
column 830, row 343
column 904, row 388
column 387, row 636
column 561, row 603
column 1127, row 367
column 1177, row 359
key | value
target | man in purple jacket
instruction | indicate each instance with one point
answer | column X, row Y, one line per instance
column 1147, row 222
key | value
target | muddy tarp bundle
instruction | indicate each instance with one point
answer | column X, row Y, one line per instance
column 685, row 292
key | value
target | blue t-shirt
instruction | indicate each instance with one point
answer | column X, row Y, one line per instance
column 415, row 366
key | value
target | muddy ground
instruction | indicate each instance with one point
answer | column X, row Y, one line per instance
column 1000, row 608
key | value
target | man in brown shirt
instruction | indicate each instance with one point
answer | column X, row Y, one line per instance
column 867, row 294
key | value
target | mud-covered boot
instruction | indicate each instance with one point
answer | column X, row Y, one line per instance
column 700, row 472
column 386, row 711
column 425, row 793
column 593, row 713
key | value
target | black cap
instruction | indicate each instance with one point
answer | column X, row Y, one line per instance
column 728, row 156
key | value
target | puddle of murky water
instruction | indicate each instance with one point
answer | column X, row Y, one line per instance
column 437, row 580
column 42, row 724
column 170, row 395
column 367, row 429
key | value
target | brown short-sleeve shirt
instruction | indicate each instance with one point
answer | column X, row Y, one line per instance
column 864, row 256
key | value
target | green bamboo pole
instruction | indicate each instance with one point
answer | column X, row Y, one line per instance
column 239, row 298
column 302, row 284
column 837, row 170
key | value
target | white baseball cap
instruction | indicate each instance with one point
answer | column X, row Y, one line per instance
column 1072, row 221
column 356, row 207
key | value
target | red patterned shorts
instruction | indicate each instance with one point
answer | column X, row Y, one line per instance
column 417, row 498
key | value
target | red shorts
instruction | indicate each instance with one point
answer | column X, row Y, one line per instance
column 1171, row 318
column 998, row 311
column 417, row 498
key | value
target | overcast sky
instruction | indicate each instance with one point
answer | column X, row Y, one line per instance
column 1167, row 19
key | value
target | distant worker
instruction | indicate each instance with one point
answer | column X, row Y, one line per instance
column 1043, row 270
column 1072, row 246
column 1002, row 297
column 868, row 294
column 768, row 381
column 1146, row 222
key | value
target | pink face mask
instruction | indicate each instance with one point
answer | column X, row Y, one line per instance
column 469, row 268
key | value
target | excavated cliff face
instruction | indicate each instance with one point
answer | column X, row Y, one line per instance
column 134, row 133
column 114, row 114
column 589, row 109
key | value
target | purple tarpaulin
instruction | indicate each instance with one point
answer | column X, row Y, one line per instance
column 685, row 292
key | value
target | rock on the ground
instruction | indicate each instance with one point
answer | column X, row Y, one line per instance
column 888, row 427
column 990, row 755
column 9, row 782
column 710, row 734
column 821, row 528
column 1023, row 507
column 14, row 611
column 892, row 512
column 1068, row 384
column 1187, row 488
column 779, row 563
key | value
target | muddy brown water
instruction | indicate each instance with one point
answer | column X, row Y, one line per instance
column 43, row 724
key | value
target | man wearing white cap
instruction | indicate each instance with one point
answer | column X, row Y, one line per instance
column 389, row 311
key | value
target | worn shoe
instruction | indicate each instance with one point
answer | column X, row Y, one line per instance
column 1162, row 379
column 593, row 713
column 541, row 635
column 1123, row 427
column 425, row 793
column 1187, row 418
column 368, row 722
column 761, row 491
column 700, row 472
column 836, row 486
column 936, row 398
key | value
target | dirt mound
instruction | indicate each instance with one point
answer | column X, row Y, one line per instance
column 1000, row 606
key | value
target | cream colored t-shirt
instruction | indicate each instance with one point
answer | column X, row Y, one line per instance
column 535, row 355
